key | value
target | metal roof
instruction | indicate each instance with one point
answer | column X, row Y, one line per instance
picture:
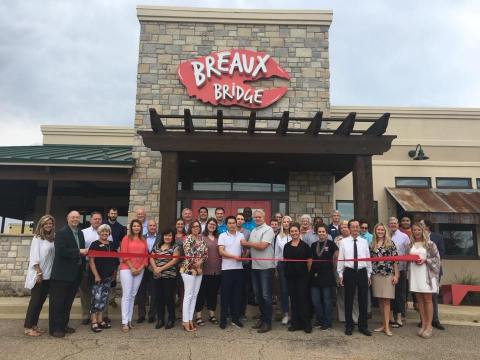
column 67, row 155
column 437, row 200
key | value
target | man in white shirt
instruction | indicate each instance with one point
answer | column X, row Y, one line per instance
column 355, row 275
column 230, row 248
column 261, row 246
column 146, row 289
column 90, row 234
column 187, row 217
column 401, row 241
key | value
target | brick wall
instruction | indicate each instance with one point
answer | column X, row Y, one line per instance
column 302, row 50
column 14, row 255
column 310, row 193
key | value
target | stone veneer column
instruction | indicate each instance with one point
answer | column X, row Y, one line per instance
column 310, row 193
column 297, row 40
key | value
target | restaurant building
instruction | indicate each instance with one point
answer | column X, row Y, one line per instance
column 233, row 110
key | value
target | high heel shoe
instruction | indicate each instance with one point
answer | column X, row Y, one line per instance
column 186, row 327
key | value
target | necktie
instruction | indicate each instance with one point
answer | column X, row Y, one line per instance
column 355, row 254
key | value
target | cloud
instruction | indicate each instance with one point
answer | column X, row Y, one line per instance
column 75, row 62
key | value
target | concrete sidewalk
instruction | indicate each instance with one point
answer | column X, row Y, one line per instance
column 16, row 307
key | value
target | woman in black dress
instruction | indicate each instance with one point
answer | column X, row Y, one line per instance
column 297, row 274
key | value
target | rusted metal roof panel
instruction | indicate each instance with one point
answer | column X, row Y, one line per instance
column 437, row 200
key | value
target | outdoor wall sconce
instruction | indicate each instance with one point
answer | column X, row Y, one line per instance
column 418, row 153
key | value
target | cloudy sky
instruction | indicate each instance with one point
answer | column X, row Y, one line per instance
column 74, row 62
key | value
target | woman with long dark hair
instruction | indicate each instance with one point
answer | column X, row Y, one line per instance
column 131, row 269
column 191, row 268
column 42, row 253
column 165, row 277
column 212, row 269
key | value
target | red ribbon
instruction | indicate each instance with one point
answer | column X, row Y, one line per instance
column 109, row 254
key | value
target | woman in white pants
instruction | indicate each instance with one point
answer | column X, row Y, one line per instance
column 196, row 250
column 131, row 270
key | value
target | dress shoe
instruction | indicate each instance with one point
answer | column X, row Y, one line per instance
column 223, row 325
column 265, row 328
column 438, row 326
column 58, row 334
column 141, row 319
column 237, row 323
column 291, row 328
column 85, row 321
column 69, row 330
column 308, row 329
column 170, row 324
column 365, row 332
column 257, row 325
column 151, row 319
column 348, row 332
column 159, row 324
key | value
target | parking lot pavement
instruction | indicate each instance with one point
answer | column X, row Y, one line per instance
column 210, row 342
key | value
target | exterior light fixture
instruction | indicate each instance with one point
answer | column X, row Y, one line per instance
column 418, row 153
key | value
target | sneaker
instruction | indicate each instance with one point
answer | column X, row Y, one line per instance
column 317, row 324
column 237, row 324
column 285, row 320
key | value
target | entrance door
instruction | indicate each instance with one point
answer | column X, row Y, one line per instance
column 232, row 207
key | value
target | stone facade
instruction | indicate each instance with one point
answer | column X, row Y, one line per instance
column 310, row 193
column 14, row 256
column 302, row 50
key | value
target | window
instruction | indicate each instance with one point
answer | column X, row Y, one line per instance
column 478, row 183
column 460, row 240
column 454, row 183
column 245, row 186
column 265, row 187
column 212, row 186
column 420, row 182
column 346, row 210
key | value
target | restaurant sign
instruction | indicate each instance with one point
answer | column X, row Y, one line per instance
column 224, row 78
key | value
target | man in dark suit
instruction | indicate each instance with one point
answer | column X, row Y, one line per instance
column 438, row 240
column 66, row 274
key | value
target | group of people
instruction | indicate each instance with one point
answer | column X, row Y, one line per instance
column 305, row 265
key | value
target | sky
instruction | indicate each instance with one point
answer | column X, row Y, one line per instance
column 75, row 62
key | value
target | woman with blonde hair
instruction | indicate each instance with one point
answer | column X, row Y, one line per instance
column 423, row 276
column 384, row 274
column 42, row 253
column 281, row 240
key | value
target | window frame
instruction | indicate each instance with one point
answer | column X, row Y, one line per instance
column 429, row 182
column 453, row 178
column 460, row 227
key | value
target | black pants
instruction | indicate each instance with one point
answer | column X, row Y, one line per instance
column 38, row 295
column 62, row 294
column 146, row 289
column 208, row 292
column 165, row 289
column 398, row 304
column 356, row 280
column 300, row 304
column 231, row 292
column 248, row 295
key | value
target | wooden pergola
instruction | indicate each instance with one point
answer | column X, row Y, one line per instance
column 311, row 147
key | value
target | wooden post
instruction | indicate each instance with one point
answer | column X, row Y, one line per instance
column 168, row 191
column 48, row 203
column 363, row 189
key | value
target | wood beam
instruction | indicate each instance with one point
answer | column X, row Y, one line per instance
column 155, row 121
column 168, row 190
column 379, row 127
column 220, row 121
column 283, row 124
column 48, row 201
column 363, row 203
column 267, row 143
column 188, row 121
column 315, row 124
column 347, row 125
column 251, row 123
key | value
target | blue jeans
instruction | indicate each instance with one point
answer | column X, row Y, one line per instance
column 283, row 287
column 262, row 286
column 322, row 304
